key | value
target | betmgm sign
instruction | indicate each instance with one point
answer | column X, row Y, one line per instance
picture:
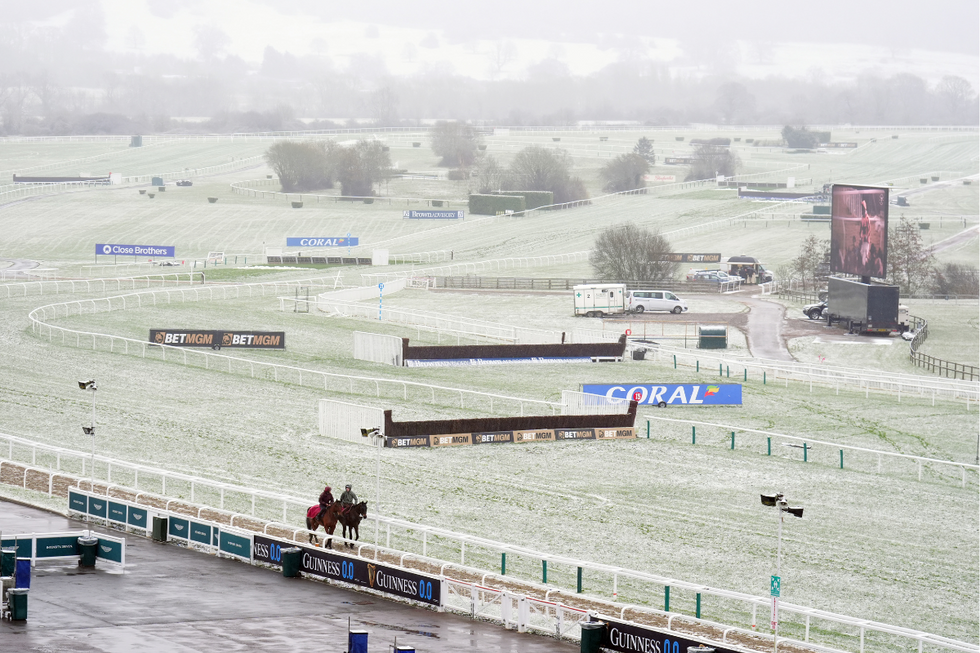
column 219, row 339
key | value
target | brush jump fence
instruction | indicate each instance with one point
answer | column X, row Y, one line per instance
column 53, row 468
column 819, row 452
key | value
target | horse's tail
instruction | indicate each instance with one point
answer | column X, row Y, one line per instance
column 311, row 525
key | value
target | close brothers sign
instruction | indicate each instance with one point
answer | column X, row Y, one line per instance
column 136, row 250
column 317, row 562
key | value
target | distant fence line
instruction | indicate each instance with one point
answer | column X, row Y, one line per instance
column 98, row 285
column 477, row 266
column 245, row 188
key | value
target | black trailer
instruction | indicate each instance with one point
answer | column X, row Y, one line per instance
column 864, row 307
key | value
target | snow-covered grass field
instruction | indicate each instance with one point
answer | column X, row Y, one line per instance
column 881, row 546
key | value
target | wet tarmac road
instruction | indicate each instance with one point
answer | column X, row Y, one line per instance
column 173, row 599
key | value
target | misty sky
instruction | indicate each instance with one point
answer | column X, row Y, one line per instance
column 762, row 37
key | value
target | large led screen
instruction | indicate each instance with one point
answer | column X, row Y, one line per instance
column 859, row 230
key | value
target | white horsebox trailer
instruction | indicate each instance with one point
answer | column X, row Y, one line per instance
column 596, row 300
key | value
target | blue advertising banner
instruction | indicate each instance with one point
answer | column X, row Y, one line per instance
column 117, row 512
column 235, row 544
column 136, row 250
column 97, row 507
column 136, row 517
column 177, row 527
column 111, row 550
column 631, row 638
column 390, row 580
column 433, row 215
column 200, row 533
column 57, row 547
column 78, row 502
column 669, row 394
column 322, row 242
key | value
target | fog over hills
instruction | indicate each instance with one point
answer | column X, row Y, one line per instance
column 94, row 51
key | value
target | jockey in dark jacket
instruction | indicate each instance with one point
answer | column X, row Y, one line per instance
column 325, row 501
column 348, row 498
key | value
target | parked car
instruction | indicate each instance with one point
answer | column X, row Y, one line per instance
column 816, row 311
column 714, row 276
column 655, row 300
column 185, row 182
column 694, row 271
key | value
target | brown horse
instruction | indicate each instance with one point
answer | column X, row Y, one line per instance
column 328, row 520
column 350, row 519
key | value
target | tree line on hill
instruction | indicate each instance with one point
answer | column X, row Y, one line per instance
column 58, row 81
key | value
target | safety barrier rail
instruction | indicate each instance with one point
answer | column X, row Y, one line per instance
column 809, row 447
column 264, row 505
column 238, row 164
column 58, row 286
column 476, row 267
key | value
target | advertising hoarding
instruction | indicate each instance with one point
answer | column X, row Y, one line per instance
column 669, row 394
column 433, row 215
column 219, row 339
column 136, row 250
column 341, row 241
column 859, row 230
column 363, row 573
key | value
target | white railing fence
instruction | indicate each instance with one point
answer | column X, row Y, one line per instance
column 68, row 286
column 378, row 348
column 238, row 164
column 412, row 539
column 809, row 449
column 477, row 267
column 581, row 403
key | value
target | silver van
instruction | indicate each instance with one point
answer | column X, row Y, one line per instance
column 655, row 300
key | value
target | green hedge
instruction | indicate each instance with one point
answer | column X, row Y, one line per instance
column 494, row 204
column 533, row 198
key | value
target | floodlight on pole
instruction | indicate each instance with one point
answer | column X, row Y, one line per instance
column 779, row 502
column 90, row 430
column 377, row 439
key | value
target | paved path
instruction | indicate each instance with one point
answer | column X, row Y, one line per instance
column 764, row 331
column 178, row 600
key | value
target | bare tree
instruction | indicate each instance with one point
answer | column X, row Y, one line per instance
column 501, row 53
column 956, row 279
column 813, row 254
column 538, row 168
column 384, row 106
column 734, row 102
column 625, row 172
column 955, row 94
column 489, row 174
column 455, row 142
column 627, row 252
column 303, row 166
column 713, row 160
column 910, row 262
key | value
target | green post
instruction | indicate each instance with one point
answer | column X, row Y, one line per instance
column 728, row 372
column 733, row 440
column 648, row 429
column 804, row 452
column 503, row 564
column 842, row 459
column 763, row 377
column 675, row 361
column 769, row 446
column 579, row 582
column 544, row 572
column 694, row 435
column 244, row 260
column 745, row 374
column 720, row 373
column 697, row 366
column 697, row 609
column 666, row 598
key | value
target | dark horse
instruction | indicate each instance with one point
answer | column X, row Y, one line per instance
column 351, row 518
column 328, row 520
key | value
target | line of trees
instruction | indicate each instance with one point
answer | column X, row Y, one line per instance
column 316, row 165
